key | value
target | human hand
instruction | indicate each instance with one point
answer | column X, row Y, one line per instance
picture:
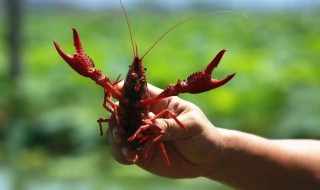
column 191, row 153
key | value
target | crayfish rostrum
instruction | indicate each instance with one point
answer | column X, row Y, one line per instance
column 134, row 101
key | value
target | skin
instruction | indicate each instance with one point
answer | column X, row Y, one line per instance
column 240, row 160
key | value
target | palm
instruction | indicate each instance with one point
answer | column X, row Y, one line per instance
column 184, row 151
column 190, row 152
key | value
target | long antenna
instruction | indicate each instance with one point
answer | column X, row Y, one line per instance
column 182, row 22
column 163, row 35
column 134, row 48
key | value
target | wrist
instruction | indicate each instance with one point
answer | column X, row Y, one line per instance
column 244, row 156
column 222, row 153
column 223, row 140
column 235, row 150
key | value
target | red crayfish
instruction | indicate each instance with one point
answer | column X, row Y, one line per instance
column 134, row 101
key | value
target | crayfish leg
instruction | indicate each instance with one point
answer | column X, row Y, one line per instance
column 164, row 154
column 151, row 139
column 172, row 115
column 100, row 121
column 113, row 108
column 162, row 148
column 142, row 137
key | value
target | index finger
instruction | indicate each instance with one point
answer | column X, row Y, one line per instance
column 153, row 90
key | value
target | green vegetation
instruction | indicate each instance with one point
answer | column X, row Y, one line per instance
column 49, row 138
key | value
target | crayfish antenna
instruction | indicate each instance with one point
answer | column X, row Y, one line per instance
column 164, row 34
column 136, row 51
column 134, row 48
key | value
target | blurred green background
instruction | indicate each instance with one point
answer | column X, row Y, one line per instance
column 49, row 138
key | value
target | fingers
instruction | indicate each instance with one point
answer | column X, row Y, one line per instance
column 119, row 151
column 153, row 90
column 171, row 129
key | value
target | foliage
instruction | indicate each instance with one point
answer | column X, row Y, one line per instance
column 48, row 121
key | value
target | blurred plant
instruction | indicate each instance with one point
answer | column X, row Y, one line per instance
column 49, row 118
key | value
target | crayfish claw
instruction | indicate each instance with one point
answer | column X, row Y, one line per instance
column 216, row 83
column 196, row 83
column 80, row 62
column 65, row 56
column 76, row 41
column 214, row 63
column 202, row 81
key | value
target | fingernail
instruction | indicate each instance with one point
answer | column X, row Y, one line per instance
column 129, row 155
column 116, row 135
column 150, row 114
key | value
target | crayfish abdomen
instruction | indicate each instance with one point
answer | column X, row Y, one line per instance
column 131, row 114
column 130, row 119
